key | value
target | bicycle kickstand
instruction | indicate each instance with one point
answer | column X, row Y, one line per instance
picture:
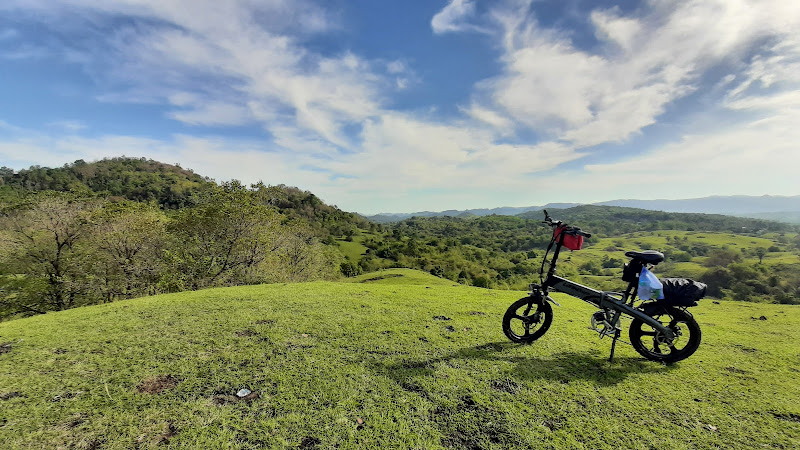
column 613, row 345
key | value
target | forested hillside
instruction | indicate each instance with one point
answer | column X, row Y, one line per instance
column 122, row 228
column 90, row 233
column 135, row 179
column 743, row 259
column 614, row 220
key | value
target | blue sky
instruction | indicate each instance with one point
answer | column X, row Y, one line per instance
column 399, row 106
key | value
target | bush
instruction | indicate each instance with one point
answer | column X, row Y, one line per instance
column 482, row 281
column 350, row 269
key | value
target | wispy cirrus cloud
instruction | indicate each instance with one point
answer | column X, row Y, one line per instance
column 456, row 17
column 244, row 61
column 643, row 63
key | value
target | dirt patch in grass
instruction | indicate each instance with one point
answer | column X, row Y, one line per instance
column 74, row 421
column 458, row 425
column 412, row 387
column 476, row 313
column 745, row 349
column 441, row 318
column 789, row 417
column 264, row 322
column 157, row 384
column 245, row 333
column 309, row 443
column 735, row 370
column 491, row 347
column 552, row 425
column 10, row 395
column 87, row 444
column 65, row 396
column 5, row 347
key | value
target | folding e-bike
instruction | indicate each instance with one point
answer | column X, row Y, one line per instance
column 661, row 330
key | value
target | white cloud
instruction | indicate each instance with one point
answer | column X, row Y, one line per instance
column 454, row 17
column 644, row 64
column 403, row 153
column 241, row 60
column 491, row 117
column 751, row 158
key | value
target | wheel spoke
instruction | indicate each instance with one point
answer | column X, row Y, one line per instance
column 656, row 348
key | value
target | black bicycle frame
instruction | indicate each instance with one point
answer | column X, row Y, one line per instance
column 603, row 300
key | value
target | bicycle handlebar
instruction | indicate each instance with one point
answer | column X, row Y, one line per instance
column 567, row 229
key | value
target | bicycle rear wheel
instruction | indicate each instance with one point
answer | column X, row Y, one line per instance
column 652, row 344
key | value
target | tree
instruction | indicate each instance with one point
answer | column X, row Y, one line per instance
column 350, row 269
column 716, row 279
column 298, row 256
column 761, row 252
column 218, row 241
column 44, row 254
column 127, row 246
column 722, row 258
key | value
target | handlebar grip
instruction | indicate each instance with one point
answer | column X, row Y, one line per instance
column 586, row 235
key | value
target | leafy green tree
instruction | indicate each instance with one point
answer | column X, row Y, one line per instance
column 218, row 241
column 761, row 252
column 717, row 279
column 722, row 258
column 350, row 269
column 437, row 271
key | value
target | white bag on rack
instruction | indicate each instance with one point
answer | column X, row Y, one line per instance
column 649, row 286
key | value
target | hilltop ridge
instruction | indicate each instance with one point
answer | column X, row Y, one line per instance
column 768, row 207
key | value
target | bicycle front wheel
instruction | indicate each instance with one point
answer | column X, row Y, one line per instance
column 526, row 320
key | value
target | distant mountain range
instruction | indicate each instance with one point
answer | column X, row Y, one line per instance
column 770, row 207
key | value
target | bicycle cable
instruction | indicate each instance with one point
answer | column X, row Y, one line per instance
column 544, row 260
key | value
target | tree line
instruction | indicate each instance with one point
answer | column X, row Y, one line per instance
column 60, row 250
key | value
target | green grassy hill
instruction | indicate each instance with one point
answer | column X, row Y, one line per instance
column 395, row 359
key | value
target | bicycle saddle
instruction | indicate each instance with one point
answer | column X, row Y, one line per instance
column 647, row 256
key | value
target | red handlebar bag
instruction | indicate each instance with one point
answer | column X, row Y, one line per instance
column 571, row 241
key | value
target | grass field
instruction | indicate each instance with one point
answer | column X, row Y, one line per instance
column 396, row 359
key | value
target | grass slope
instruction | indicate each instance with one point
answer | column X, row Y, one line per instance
column 372, row 364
